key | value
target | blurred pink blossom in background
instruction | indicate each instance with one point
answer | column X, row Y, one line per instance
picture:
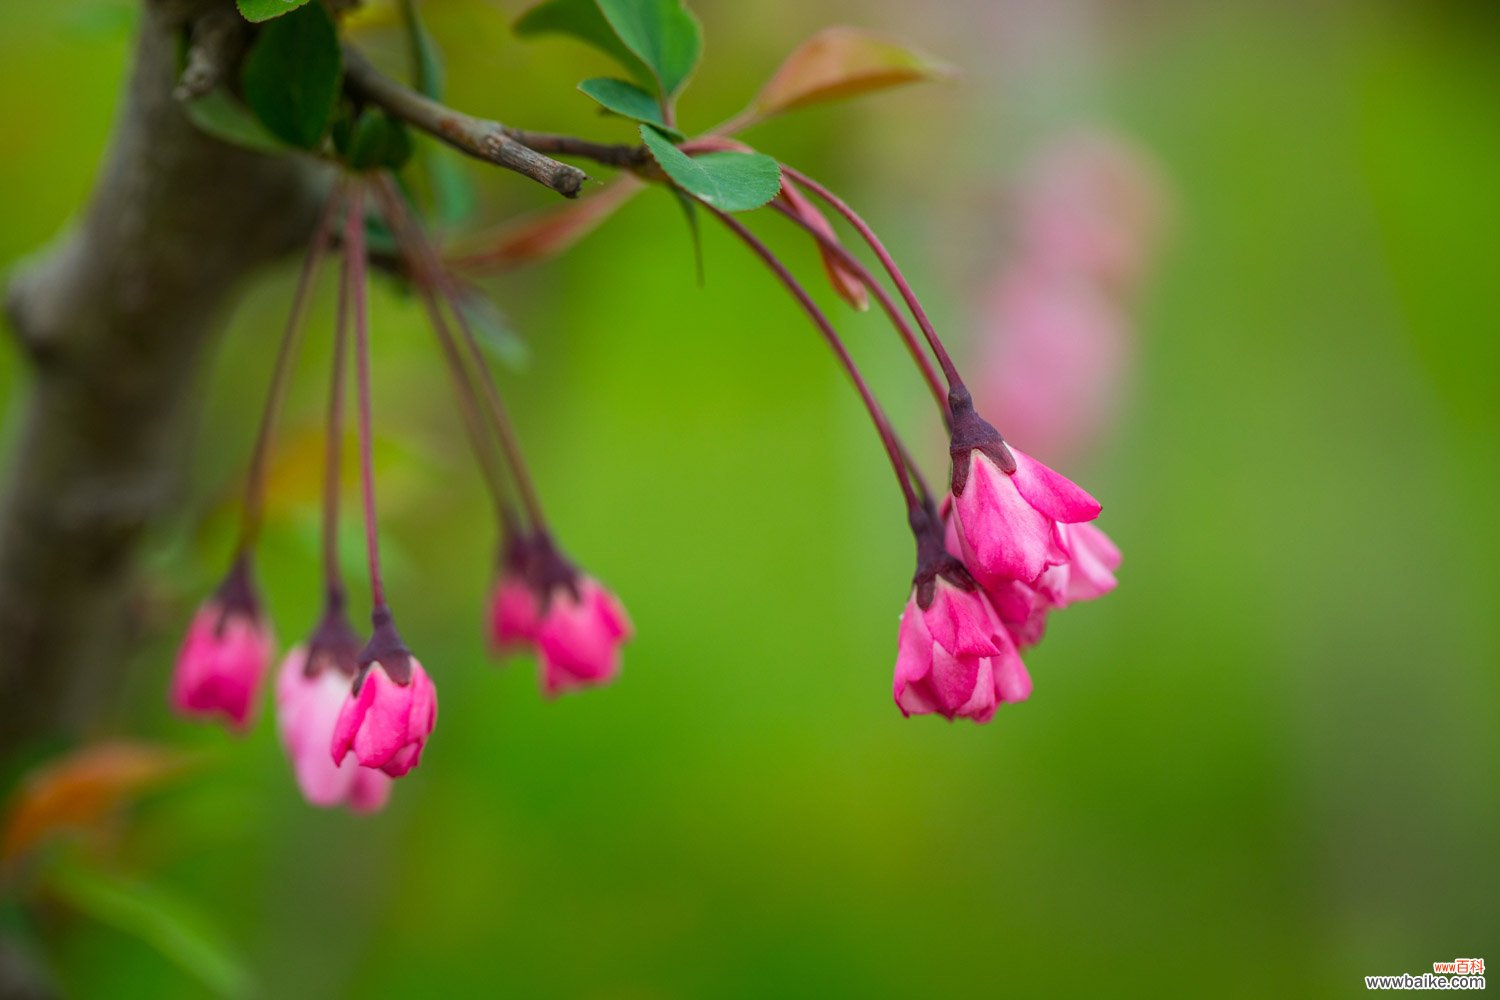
column 1056, row 337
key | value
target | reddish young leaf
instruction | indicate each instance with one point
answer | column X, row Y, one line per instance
column 547, row 234
column 81, row 789
column 849, row 287
column 842, row 62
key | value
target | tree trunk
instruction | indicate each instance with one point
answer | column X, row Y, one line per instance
column 114, row 320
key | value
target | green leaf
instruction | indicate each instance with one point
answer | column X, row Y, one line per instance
column 662, row 32
column 264, row 10
column 225, row 117
column 378, row 142
column 629, row 100
column 291, row 75
column 581, row 19
column 730, row 182
column 157, row 918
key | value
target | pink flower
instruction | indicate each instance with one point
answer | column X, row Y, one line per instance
column 1093, row 203
column 576, row 625
column 390, row 713
column 513, row 615
column 1090, row 573
column 1022, row 607
column 224, row 655
column 1007, row 506
column 309, row 699
column 1054, row 354
column 954, row 657
column 579, row 636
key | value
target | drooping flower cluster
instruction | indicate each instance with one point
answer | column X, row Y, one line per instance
column 1009, row 544
column 353, row 714
column 543, row 602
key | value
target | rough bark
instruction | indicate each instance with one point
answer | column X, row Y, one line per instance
column 114, row 319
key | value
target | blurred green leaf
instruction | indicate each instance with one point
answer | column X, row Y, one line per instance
column 291, row 75
column 629, row 100
column 662, row 33
column 158, row 918
column 731, row 182
column 378, row 142
column 690, row 211
column 452, row 192
column 264, row 10
column 491, row 327
column 225, row 117
column 582, row 19
column 427, row 61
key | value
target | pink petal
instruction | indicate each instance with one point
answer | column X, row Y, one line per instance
column 1095, row 558
column 1052, row 493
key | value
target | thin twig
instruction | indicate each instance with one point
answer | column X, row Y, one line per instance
column 481, row 138
column 609, row 154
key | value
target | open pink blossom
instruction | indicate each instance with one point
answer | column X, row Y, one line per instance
column 954, row 657
column 309, row 699
column 385, row 723
column 579, row 636
column 224, row 656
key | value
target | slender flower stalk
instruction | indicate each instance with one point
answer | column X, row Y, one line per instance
column 333, row 442
column 286, row 351
column 839, row 205
column 458, row 373
column 410, row 234
column 893, row 447
column 354, row 261
column 853, row 265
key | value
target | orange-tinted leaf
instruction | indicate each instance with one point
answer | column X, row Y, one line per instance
column 844, row 281
column 842, row 62
column 82, row 788
column 548, row 233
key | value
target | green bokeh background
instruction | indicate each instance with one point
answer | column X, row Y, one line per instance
column 1266, row 764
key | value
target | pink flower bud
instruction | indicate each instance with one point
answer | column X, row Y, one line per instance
column 1087, row 573
column 513, row 615
column 579, row 635
column 224, row 655
column 955, row 658
column 1008, row 525
column 386, row 723
column 309, row 699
